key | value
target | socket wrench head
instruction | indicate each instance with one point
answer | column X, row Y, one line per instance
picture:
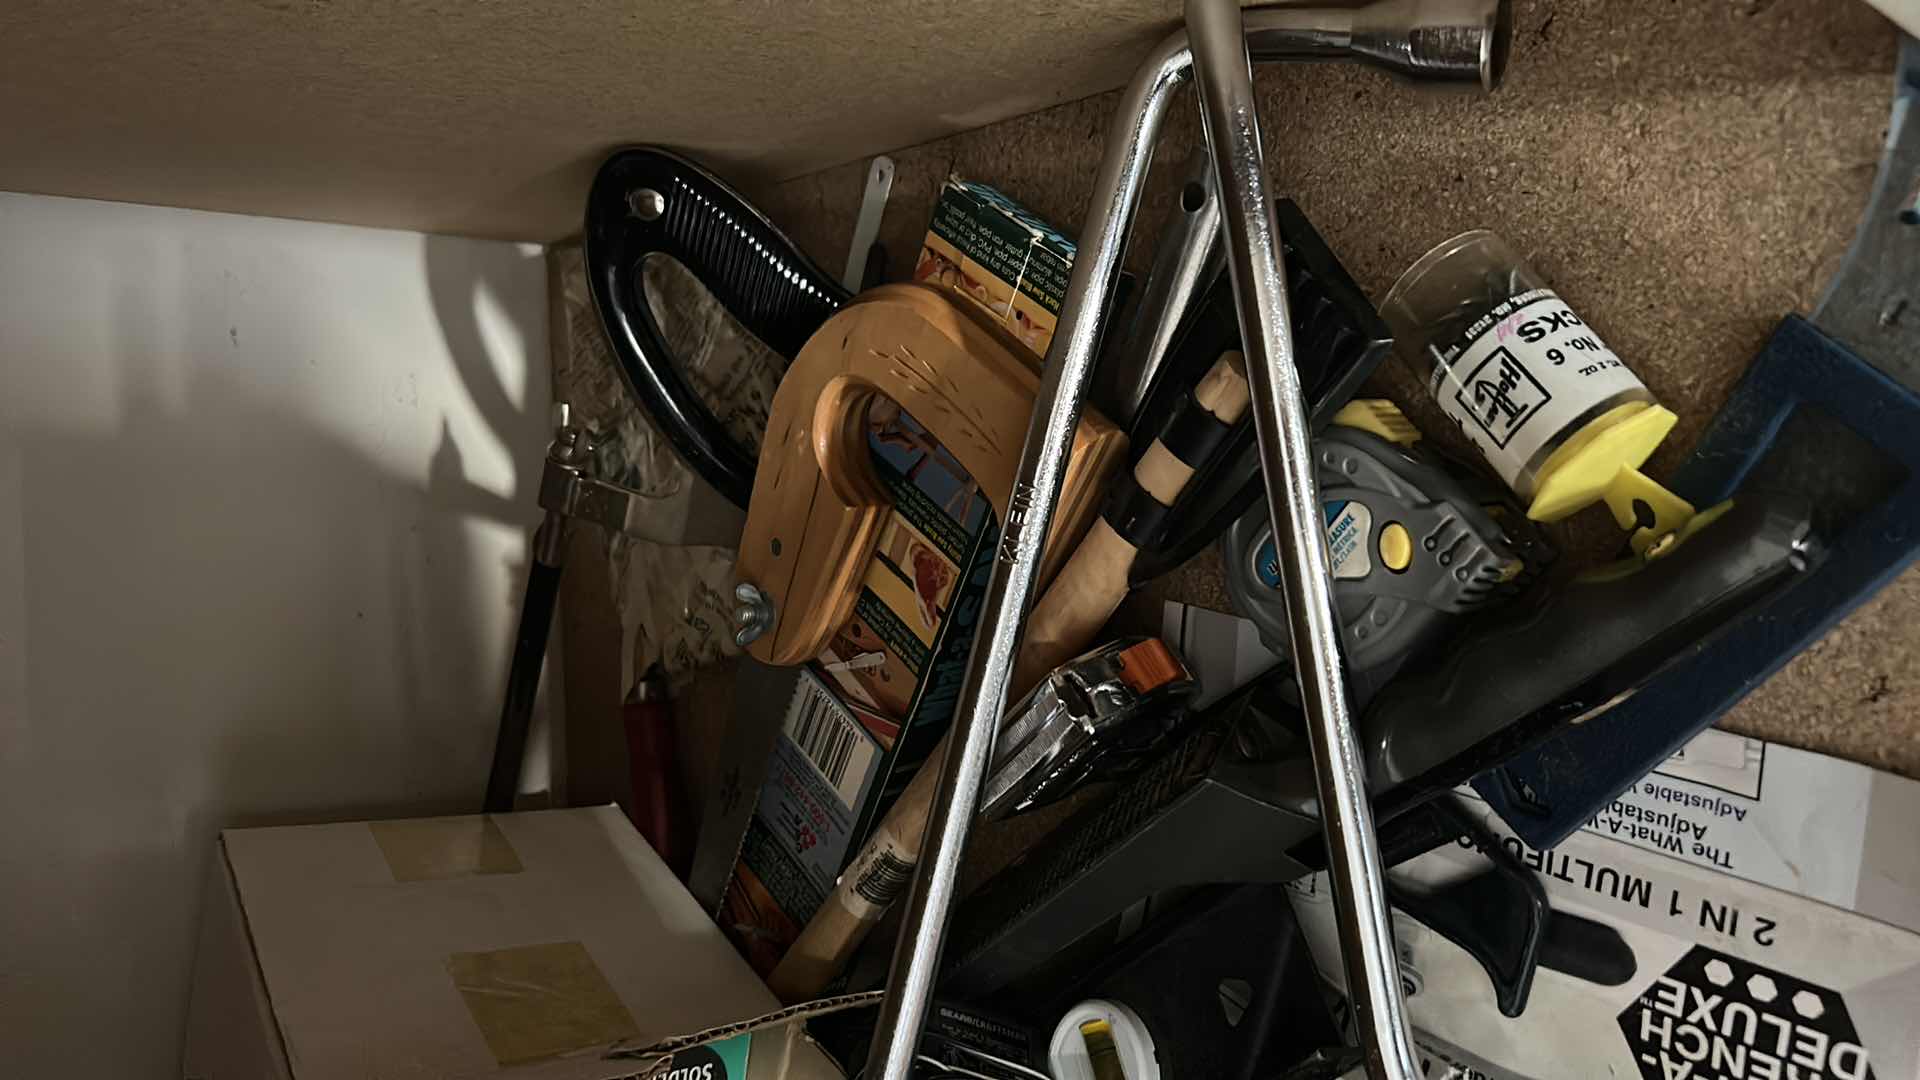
column 1437, row 40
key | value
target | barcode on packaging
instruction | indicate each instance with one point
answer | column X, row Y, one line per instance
column 832, row 740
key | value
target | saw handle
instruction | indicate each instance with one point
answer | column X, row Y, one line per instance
column 840, row 442
column 646, row 202
column 819, row 509
column 1075, row 607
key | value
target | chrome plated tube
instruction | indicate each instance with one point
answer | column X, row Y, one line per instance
column 1223, row 73
column 1185, row 260
column 1003, row 612
column 1428, row 40
column 1420, row 38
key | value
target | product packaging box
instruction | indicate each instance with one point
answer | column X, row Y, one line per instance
column 1770, row 901
column 988, row 248
column 865, row 714
column 552, row 945
column 1746, row 911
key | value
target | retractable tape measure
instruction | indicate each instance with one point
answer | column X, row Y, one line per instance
column 1412, row 541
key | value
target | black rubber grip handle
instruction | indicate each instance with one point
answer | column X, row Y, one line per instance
column 523, row 681
column 646, row 201
column 1518, row 673
column 1338, row 340
column 1586, row 949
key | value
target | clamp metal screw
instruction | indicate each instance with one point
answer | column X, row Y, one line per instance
column 753, row 617
column 646, row 204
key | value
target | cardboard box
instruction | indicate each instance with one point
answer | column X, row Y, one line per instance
column 1770, row 897
column 988, row 248
column 536, row 945
column 1835, row 831
column 865, row 715
column 1723, row 871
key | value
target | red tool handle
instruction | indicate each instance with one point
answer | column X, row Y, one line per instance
column 658, row 805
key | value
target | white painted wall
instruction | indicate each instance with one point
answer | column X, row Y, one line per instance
column 264, row 489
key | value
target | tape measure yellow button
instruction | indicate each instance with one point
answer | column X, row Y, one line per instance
column 1396, row 547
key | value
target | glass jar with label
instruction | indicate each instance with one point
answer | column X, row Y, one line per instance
column 1528, row 382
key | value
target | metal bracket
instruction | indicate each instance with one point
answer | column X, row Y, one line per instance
column 1873, row 302
column 1830, row 409
column 568, row 487
column 866, row 228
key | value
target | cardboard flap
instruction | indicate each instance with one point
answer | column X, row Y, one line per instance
column 659, row 1051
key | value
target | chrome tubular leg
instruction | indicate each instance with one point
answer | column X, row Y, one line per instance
column 1223, row 72
column 1429, row 39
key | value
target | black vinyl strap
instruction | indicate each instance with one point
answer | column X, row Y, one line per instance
column 1137, row 516
column 1191, row 433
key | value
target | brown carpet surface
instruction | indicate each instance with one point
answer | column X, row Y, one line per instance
column 1685, row 172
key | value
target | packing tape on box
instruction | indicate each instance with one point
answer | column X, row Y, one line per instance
column 434, row 849
column 540, row 1001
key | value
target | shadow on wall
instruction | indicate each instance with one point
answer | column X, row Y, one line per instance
column 518, row 417
column 262, row 561
column 461, row 289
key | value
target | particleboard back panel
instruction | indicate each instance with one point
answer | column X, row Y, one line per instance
column 1685, row 173
column 488, row 118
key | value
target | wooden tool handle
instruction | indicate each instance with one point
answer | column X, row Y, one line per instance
column 1094, row 581
column 818, row 508
column 881, row 872
column 1078, row 604
column 840, row 442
